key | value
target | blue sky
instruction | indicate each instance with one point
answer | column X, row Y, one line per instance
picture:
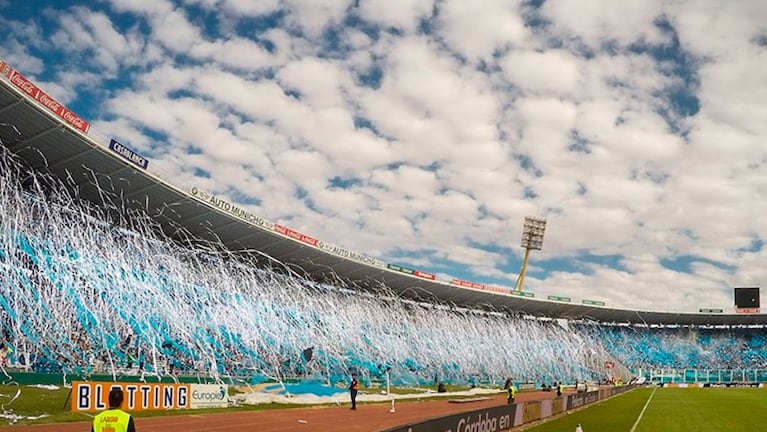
column 423, row 132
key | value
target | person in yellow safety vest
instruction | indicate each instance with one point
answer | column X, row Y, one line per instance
column 512, row 393
column 114, row 419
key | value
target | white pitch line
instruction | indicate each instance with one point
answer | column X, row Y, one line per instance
column 633, row 428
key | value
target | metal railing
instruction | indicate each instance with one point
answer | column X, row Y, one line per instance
column 678, row 376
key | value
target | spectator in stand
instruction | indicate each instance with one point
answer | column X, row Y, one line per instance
column 129, row 359
column 5, row 352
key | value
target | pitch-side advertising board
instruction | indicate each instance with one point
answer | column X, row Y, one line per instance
column 93, row 396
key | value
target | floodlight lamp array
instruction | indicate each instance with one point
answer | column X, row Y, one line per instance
column 532, row 232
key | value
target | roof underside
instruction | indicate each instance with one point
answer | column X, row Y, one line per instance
column 47, row 144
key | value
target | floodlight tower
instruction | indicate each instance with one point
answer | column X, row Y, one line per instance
column 532, row 239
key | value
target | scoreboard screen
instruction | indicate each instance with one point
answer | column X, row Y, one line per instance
column 747, row 297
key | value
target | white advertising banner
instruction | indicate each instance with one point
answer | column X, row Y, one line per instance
column 208, row 396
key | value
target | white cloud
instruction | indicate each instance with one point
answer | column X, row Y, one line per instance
column 99, row 43
column 596, row 22
column 313, row 18
column 733, row 92
column 718, row 30
column 241, row 8
column 470, row 127
column 402, row 14
column 173, row 30
column 142, row 7
column 478, row 32
column 552, row 71
column 318, row 81
column 234, row 53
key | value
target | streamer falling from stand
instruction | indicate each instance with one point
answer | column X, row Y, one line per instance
column 80, row 295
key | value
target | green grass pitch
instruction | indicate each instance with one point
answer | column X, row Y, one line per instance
column 671, row 410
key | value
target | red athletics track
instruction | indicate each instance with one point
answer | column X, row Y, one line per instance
column 367, row 418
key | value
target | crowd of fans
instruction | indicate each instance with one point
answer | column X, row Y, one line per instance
column 83, row 296
column 685, row 347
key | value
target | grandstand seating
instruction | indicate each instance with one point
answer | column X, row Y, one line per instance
column 688, row 354
column 79, row 312
column 83, row 296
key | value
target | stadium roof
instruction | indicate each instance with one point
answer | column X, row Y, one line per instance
column 51, row 138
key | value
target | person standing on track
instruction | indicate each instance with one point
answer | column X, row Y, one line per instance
column 512, row 393
column 114, row 419
column 353, row 388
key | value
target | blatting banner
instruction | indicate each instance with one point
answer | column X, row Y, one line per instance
column 94, row 396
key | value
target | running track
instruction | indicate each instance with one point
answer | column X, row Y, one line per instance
column 367, row 418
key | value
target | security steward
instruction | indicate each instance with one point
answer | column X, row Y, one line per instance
column 512, row 393
column 114, row 419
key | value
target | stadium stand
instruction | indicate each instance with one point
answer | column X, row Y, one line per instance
column 83, row 296
column 99, row 275
column 688, row 353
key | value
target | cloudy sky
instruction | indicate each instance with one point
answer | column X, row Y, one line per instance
column 422, row 132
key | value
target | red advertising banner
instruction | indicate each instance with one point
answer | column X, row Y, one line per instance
column 476, row 285
column 496, row 289
column 52, row 104
column 467, row 284
column 5, row 68
column 295, row 234
column 424, row 275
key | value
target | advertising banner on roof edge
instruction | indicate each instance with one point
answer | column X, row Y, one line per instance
column 229, row 208
column 128, row 154
column 240, row 213
column 48, row 102
column 497, row 289
column 467, row 284
column 410, row 271
column 593, row 303
column 479, row 286
column 337, row 250
column 295, row 234
column 424, row 275
column 5, row 69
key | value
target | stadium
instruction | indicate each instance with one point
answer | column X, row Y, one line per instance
column 108, row 269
